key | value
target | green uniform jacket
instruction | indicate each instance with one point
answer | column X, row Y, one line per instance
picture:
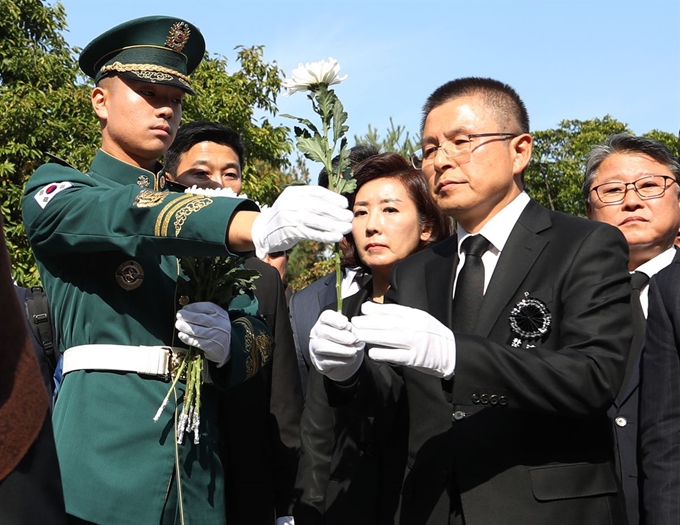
column 106, row 242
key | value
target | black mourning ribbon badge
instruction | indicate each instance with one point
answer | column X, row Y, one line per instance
column 529, row 321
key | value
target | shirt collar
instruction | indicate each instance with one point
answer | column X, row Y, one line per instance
column 497, row 230
column 658, row 263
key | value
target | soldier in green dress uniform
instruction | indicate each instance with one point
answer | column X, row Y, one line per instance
column 107, row 242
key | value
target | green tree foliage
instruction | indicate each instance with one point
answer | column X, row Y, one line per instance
column 234, row 99
column 397, row 139
column 309, row 261
column 46, row 109
column 556, row 171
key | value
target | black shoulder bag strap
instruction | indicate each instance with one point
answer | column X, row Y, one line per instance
column 38, row 310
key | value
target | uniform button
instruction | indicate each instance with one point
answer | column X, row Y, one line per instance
column 503, row 401
column 458, row 415
column 475, row 399
column 493, row 399
column 621, row 421
column 484, row 398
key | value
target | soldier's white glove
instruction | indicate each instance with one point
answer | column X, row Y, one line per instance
column 406, row 336
column 285, row 520
column 206, row 326
column 333, row 348
column 301, row 212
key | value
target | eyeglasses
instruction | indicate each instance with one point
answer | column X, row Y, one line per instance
column 459, row 147
column 648, row 187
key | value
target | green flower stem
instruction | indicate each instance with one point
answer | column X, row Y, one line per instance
column 179, row 372
column 338, row 277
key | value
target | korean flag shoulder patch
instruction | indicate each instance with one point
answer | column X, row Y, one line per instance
column 47, row 193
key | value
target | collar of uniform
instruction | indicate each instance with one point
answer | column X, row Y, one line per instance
column 109, row 167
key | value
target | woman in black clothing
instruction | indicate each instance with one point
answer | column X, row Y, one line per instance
column 351, row 466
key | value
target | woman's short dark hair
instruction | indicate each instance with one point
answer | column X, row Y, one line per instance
column 395, row 166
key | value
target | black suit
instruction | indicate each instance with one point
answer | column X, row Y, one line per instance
column 660, row 401
column 350, row 468
column 304, row 308
column 259, row 420
column 520, row 434
column 624, row 415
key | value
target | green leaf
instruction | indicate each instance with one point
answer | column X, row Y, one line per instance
column 339, row 119
column 346, row 186
column 313, row 148
column 301, row 132
column 304, row 122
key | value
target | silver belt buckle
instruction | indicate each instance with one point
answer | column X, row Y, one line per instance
column 174, row 360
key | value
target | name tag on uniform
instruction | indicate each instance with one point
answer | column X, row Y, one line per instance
column 46, row 194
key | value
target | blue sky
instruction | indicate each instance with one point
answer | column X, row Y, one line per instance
column 568, row 59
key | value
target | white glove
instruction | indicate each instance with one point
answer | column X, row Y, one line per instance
column 333, row 348
column 206, row 326
column 406, row 336
column 285, row 520
column 301, row 212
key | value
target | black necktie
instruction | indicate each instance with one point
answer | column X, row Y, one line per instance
column 637, row 280
column 470, row 285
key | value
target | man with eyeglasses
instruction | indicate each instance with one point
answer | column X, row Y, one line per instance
column 512, row 335
column 631, row 183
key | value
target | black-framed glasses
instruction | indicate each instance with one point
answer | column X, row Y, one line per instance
column 647, row 187
column 458, row 147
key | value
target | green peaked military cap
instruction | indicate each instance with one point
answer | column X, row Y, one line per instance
column 155, row 49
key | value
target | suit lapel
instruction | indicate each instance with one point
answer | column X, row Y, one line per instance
column 632, row 379
column 519, row 255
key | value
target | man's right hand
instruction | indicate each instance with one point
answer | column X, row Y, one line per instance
column 333, row 348
column 301, row 212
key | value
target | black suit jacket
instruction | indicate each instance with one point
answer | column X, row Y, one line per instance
column 304, row 309
column 351, row 467
column 521, row 433
column 259, row 420
column 660, row 401
column 624, row 414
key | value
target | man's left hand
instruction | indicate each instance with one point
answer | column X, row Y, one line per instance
column 406, row 336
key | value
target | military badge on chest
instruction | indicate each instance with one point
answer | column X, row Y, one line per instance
column 529, row 322
column 130, row 275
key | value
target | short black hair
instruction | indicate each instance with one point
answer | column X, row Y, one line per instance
column 502, row 99
column 627, row 144
column 193, row 133
column 357, row 154
column 395, row 166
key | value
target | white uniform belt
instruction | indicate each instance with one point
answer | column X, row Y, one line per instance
column 149, row 360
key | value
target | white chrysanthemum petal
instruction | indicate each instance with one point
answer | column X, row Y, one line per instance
column 221, row 192
column 320, row 72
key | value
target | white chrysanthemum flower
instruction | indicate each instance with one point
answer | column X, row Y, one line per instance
column 215, row 192
column 321, row 72
column 222, row 192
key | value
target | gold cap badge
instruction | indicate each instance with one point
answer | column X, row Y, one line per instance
column 178, row 36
